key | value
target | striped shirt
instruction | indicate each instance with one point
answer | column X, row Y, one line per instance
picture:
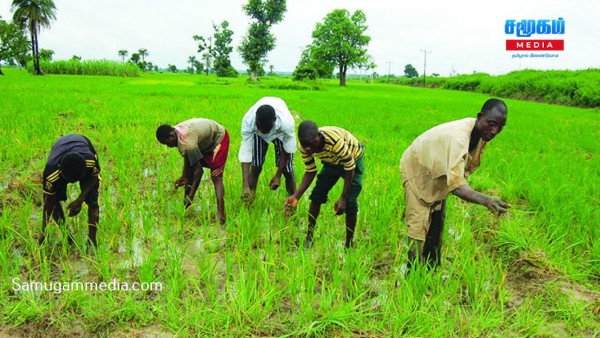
column 339, row 148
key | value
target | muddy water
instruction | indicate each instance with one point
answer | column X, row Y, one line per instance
column 135, row 253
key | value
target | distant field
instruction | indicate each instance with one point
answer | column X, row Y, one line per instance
column 535, row 272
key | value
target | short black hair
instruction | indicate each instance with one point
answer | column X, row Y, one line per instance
column 163, row 131
column 72, row 166
column 265, row 117
column 492, row 104
column 307, row 130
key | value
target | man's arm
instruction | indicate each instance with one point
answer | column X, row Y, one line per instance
column 307, row 179
column 75, row 207
column 284, row 157
column 246, row 177
column 195, row 183
column 183, row 179
column 340, row 206
column 496, row 206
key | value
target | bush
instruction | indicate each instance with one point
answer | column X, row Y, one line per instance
column 91, row 67
column 290, row 85
column 305, row 72
column 574, row 88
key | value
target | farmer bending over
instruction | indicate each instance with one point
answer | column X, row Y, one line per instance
column 202, row 143
column 342, row 156
column 268, row 121
column 438, row 163
column 72, row 159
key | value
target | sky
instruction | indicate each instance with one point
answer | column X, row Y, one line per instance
column 453, row 37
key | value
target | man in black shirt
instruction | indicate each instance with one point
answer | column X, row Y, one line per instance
column 72, row 159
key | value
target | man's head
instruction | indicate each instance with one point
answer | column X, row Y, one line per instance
column 165, row 134
column 265, row 118
column 72, row 167
column 308, row 135
column 491, row 119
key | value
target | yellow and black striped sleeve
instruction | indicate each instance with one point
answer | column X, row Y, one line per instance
column 308, row 159
column 92, row 166
column 49, row 181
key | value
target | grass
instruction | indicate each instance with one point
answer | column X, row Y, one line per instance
column 87, row 67
column 532, row 273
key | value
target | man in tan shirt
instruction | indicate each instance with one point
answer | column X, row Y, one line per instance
column 438, row 163
column 201, row 143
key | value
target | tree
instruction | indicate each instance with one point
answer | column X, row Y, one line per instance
column 205, row 45
column 123, row 54
column 310, row 68
column 13, row 44
column 34, row 14
column 143, row 52
column 192, row 61
column 340, row 41
column 76, row 58
column 135, row 58
column 172, row 68
column 219, row 51
column 259, row 41
column 46, row 54
column 222, row 49
column 410, row 71
column 199, row 66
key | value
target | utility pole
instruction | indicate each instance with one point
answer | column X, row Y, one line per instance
column 389, row 65
column 425, row 52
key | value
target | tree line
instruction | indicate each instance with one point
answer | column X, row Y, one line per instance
column 339, row 42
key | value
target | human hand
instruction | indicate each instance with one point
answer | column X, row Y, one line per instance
column 291, row 202
column 74, row 207
column 496, row 206
column 289, row 207
column 247, row 195
column 340, row 206
column 180, row 182
column 275, row 183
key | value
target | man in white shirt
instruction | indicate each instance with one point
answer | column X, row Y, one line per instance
column 268, row 121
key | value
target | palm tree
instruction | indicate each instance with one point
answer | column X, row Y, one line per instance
column 192, row 61
column 143, row 53
column 123, row 54
column 34, row 14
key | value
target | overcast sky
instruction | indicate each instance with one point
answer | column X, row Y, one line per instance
column 463, row 36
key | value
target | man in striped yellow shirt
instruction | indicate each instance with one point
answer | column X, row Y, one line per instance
column 342, row 156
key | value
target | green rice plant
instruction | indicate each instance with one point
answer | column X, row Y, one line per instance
column 518, row 275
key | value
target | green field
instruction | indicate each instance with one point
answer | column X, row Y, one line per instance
column 534, row 272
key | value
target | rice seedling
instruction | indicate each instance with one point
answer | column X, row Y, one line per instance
column 533, row 272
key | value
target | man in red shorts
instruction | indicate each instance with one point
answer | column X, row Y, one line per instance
column 202, row 143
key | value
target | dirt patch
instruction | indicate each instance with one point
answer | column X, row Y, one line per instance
column 525, row 279
column 77, row 330
column 21, row 188
column 42, row 329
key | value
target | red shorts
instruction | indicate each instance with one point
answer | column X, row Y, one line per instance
column 216, row 159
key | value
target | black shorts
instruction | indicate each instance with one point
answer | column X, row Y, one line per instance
column 328, row 177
